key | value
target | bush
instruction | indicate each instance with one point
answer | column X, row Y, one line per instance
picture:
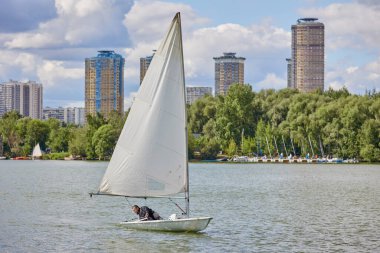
column 55, row 156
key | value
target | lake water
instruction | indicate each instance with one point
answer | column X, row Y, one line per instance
column 45, row 207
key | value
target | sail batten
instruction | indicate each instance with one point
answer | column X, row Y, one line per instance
column 150, row 157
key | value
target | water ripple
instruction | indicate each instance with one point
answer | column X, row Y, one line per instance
column 44, row 207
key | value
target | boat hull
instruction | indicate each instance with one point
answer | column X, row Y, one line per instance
column 177, row 225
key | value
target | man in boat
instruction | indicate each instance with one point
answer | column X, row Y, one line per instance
column 145, row 213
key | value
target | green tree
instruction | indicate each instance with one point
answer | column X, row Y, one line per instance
column 209, row 148
column 8, row 130
column 353, row 115
column 77, row 144
column 232, row 148
column 260, row 140
column 235, row 112
column 37, row 132
column 93, row 123
column 276, row 105
column 370, row 153
column 200, row 112
column 104, row 141
column 24, row 148
column 59, row 139
column 191, row 144
column 370, row 140
column 337, row 94
column 117, row 120
column 59, row 136
column 247, row 146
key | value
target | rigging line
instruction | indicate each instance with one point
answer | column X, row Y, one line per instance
column 183, row 212
column 126, row 198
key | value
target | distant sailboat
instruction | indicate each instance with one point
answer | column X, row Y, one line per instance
column 37, row 153
column 156, row 125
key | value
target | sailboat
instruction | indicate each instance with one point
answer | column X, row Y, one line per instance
column 37, row 153
column 156, row 125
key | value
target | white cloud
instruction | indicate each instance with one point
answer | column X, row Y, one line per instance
column 53, row 53
column 52, row 72
column 24, row 63
column 373, row 76
column 353, row 25
column 374, row 66
column 261, row 42
column 335, row 85
column 74, row 104
column 253, row 43
column 132, row 60
column 365, row 77
column 271, row 81
column 155, row 17
column 29, row 40
column 352, row 43
column 372, row 3
column 351, row 70
column 79, row 22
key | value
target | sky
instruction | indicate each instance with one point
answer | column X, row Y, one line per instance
column 47, row 41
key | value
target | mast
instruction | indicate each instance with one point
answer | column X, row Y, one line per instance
column 312, row 150
column 242, row 141
column 258, row 148
column 268, row 147
column 187, row 192
column 286, row 151
column 321, row 146
column 275, row 143
column 156, row 124
column 291, row 140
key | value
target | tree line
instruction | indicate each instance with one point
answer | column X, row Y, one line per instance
column 332, row 123
column 243, row 122
column 95, row 140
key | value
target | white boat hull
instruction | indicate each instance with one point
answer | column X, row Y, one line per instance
column 177, row 225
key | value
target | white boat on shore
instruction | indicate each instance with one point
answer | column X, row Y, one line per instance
column 240, row 159
column 37, row 153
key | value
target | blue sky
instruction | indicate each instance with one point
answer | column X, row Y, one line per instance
column 47, row 41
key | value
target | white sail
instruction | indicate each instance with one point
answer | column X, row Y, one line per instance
column 37, row 151
column 150, row 158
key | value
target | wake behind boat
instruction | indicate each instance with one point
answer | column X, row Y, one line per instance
column 156, row 125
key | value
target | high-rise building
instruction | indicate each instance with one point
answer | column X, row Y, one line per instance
column 25, row 98
column 290, row 73
column 229, row 69
column 104, row 83
column 308, row 52
column 53, row 113
column 144, row 65
column 69, row 115
column 79, row 117
column 74, row 115
column 194, row 93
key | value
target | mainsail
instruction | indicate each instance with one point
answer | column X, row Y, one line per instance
column 37, row 151
column 150, row 158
